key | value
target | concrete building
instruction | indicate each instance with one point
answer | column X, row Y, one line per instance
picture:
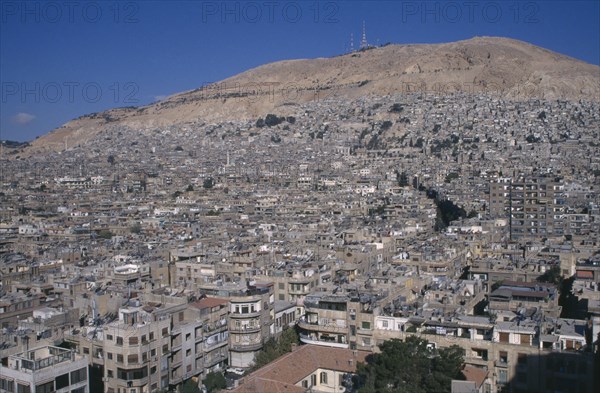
column 44, row 370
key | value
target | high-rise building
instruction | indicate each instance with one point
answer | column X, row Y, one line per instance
column 534, row 206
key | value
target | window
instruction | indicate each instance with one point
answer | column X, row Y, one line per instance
column 144, row 356
column 281, row 296
column 153, row 370
column 132, row 358
column 78, row 376
column 79, row 390
column 502, row 377
column 119, row 340
column 7, row 385
column 384, row 324
column 165, row 348
column 62, row 381
column 151, row 336
column 109, row 337
column 281, row 285
column 86, row 350
column 119, row 358
column 165, row 332
column 133, row 340
column 503, row 357
column 144, row 339
column 365, row 325
column 109, row 373
column 323, row 378
column 188, row 336
column 313, row 380
column 181, row 316
column 45, row 387
column 188, row 352
column 153, row 352
column 503, row 337
column 109, row 355
column 23, row 388
column 305, row 383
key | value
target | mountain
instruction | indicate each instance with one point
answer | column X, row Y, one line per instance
column 505, row 67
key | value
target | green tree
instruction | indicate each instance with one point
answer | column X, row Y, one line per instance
column 214, row 382
column 208, row 183
column 135, row 228
column 551, row 276
column 189, row 188
column 409, row 367
column 275, row 348
column 105, row 234
column 190, row 386
column 273, row 120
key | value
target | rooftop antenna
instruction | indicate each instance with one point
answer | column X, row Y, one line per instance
column 363, row 40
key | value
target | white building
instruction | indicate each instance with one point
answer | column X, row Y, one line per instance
column 44, row 370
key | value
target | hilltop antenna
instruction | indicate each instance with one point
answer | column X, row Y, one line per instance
column 363, row 40
column 351, row 42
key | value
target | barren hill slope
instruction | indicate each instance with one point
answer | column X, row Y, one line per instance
column 506, row 67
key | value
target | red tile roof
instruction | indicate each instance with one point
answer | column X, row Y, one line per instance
column 209, row 302
column 283, row 374
column 475, row 374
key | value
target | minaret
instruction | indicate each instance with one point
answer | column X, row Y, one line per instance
column 363, row 40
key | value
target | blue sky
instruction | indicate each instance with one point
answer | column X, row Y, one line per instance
column 62, row 59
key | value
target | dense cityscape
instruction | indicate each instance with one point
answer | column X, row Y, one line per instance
column 163, row 254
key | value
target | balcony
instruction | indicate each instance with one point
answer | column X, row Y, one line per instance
column 246, row 347
column 255, row 314
column 308, row 340
column 213, row 360
column 476, row 361
column 315, row 327
column 209, row 346
column 244, row 329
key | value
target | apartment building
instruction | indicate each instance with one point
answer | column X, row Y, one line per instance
column 137, row 350
column 251, row 316
column 43, row 370
column 341, row 321
column 534, row 205
column 213, row 312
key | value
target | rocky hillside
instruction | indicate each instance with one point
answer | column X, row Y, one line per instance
column 499, row 66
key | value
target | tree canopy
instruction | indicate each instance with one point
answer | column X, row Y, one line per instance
column 190, row 386
column 409, row 367
column 274, row 349
column 214, row 382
